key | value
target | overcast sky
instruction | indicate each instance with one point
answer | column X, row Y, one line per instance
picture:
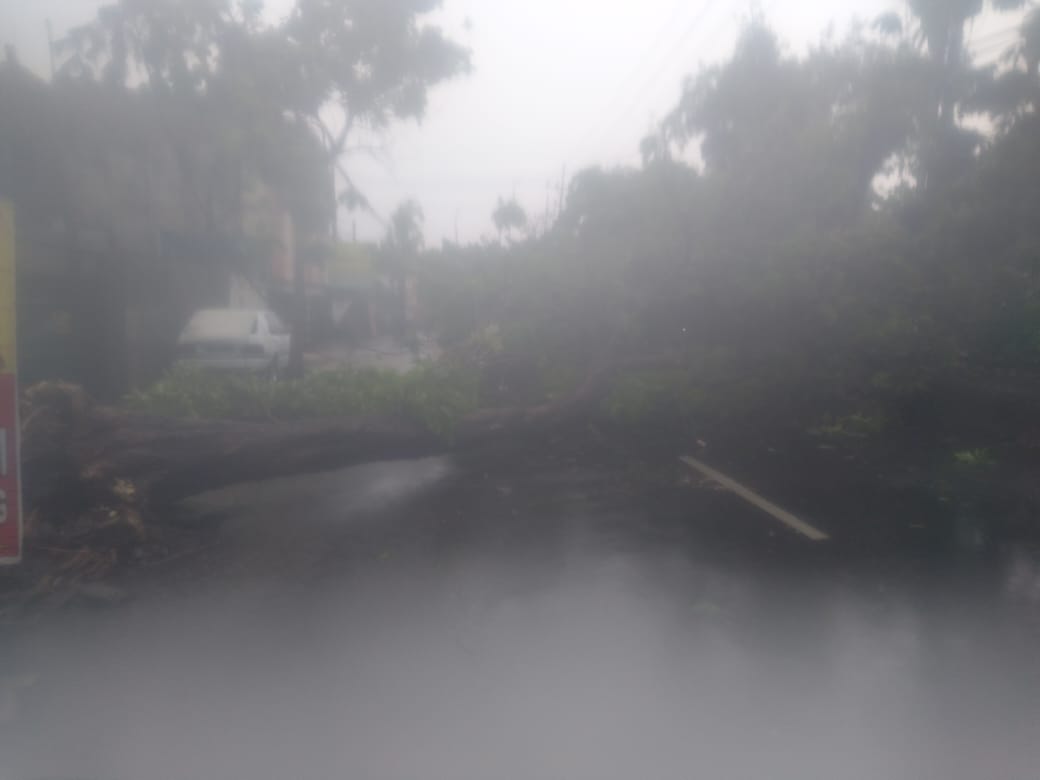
column 557, row 85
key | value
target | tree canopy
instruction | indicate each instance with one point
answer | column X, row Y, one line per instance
column 801, row 228
column 404, row 234
column 333, row 67
column 508, row 216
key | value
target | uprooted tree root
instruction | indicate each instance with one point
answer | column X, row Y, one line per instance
column 82, row 520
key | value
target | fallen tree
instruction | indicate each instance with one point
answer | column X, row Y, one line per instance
column 97, row 477
column 117, row 467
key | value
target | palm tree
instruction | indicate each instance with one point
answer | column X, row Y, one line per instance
column 509, row 215
column 941, row 28
column 404, row 240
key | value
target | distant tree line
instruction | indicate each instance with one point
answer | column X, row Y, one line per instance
column 813, row 231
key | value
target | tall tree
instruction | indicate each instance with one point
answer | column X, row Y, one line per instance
column 1012, row 93
column 404, row 240
column 808, row 135
column 946, row 148
column 336, row 68
column 405, row 232
column 168, row 41
column 508, row 216
column 356, row 66
column 941, row 25
column 342, row 67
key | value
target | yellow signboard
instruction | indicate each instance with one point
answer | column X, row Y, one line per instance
column 8, row 347
column 10, row 493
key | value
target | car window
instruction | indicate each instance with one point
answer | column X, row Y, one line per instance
column 274, row 325
column 220, row 323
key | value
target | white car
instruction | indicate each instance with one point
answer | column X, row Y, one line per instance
column 253, row 340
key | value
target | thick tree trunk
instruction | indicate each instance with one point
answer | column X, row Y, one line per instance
column 76, row 454
column 74, row 450
column 95, row 475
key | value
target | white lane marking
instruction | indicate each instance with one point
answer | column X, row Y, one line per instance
column 751, row 497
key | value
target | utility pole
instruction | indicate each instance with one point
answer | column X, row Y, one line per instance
column 334, row 222
column 50, row 45
column 563, row 186
column 548, row 195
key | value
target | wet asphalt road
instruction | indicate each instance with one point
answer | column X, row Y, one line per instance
column 441, row 620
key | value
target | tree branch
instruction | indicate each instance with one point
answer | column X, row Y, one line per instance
column 337, row 146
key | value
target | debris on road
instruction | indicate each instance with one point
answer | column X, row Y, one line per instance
column 753, row 498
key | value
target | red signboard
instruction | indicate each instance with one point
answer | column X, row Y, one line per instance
column 10, row 497
column 10, row 510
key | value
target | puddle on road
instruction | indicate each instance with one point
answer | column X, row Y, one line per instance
column 331, row 495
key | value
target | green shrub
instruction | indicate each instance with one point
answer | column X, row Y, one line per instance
column 432, row 395
column 858, row 425
column 642, row 396
column 980, row 457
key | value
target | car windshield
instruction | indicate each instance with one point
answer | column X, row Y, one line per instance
column 219, row 324
column 520, row 389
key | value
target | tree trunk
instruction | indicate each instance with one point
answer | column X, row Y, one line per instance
column 300, row 319
column 77, row 455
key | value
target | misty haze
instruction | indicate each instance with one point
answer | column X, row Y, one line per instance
column 547, row 390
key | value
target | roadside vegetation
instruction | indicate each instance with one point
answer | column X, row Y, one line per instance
column 820, row 240
column 433, row 396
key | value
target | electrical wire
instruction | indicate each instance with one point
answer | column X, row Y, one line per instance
column 659, row 39
column 597, row 132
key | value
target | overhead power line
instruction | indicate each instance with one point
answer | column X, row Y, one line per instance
column 655, row 76
column 992, row 35
column 994, row 48
column 659, row 39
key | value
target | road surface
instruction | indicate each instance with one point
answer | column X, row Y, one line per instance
column 447, row 621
